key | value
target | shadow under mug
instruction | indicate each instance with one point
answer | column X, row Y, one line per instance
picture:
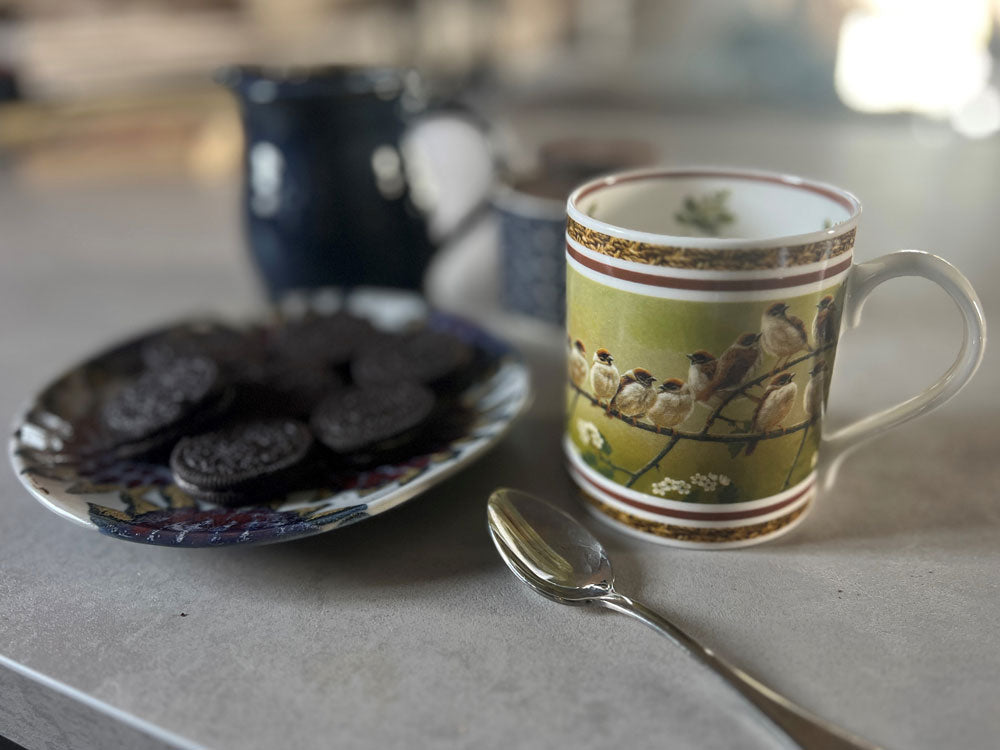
column 704, row 309
column 331, row 196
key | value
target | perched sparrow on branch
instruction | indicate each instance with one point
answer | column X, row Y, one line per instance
column 782, row 335
column 701, row 371
column 604, row 376
column 674, row 403
column 635, row 393
column 778, row 400
column 815, row 389
column 735, row 364
column 824, row 331
column 577, row 364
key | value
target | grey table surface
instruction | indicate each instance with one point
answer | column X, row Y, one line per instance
column 879, row 613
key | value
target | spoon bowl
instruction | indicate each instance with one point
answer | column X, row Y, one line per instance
column 547, row 549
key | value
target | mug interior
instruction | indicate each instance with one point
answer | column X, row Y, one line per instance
column 719, row 205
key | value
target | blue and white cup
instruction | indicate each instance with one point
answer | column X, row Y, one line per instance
column 532, row 225
column 532, row 218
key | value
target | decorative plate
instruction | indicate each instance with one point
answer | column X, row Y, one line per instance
column 138, row 501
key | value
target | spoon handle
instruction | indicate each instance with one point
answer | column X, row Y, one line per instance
column 806, row 730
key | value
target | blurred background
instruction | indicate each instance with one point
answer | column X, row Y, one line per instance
column 115, row 89
column 120, row 158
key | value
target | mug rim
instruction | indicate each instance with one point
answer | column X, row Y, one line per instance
column 844, row 198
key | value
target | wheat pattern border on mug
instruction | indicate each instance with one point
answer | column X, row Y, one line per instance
column 714, row 259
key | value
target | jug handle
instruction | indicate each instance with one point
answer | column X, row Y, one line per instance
column 455, row 109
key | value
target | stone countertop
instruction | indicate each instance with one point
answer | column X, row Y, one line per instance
column 406, row 630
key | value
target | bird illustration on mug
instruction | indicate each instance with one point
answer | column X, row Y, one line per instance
column 635, row 393
column 577, row 364
column 816, row 389
column 824, row 331
column 774, row 406
column 782, row 334
column 701, row 371
column 604, row 377
column 674, row 403
column 734, row 366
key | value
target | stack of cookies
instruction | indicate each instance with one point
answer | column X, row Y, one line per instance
column 247, row 415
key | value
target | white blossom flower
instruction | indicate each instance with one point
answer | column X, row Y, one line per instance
column 589, row 434
column 667, row 486
column 707, row 482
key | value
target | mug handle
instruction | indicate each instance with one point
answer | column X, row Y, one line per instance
column 861, row 282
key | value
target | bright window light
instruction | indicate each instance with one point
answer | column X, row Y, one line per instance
column 926, row 56
column 980, row 117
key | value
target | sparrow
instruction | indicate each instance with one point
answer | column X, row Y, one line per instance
column 604, row 376
column 635, row 393
column 674, row 403
column 815, row 389
column 824, row 331
column 782, row 334
column 778, row 400
column 734, row 365
column 701, row 371
column 578, row 364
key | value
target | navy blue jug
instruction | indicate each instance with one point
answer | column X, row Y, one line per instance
column 328, row 197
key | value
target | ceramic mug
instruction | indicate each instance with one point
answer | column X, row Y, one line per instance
column 704, row 308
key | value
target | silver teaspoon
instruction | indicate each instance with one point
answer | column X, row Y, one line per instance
column 559, row 558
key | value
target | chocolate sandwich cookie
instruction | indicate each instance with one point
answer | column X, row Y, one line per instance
column 228, row 347
column 148, row 411
column 366, row 419
column 286, row 388
column 430, row 357
column 330, row 340
column 241, row 464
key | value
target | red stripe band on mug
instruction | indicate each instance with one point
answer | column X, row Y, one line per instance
column 707, row 285
column 733, row 515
